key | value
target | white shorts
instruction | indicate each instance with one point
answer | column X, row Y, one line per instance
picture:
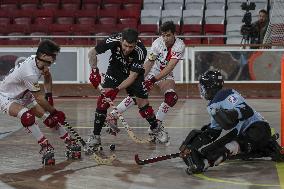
column 27, row 101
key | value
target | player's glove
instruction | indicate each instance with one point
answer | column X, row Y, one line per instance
column 112, row 93
column 60, row 116
column 54, row 119
column 49, row 98
column 184, row 151
column 150, row 83
column 95, row 77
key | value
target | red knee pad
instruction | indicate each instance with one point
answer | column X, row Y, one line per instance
column 171, row 98
column 27, row 119
column 102, row 104
column 146, row 111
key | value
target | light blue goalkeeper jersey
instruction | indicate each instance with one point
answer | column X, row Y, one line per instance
column 231, row 99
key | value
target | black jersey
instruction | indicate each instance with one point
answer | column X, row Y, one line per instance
column 121, row 65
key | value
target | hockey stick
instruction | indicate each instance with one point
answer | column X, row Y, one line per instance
column 104, row 161
column 155, row 159
column 77, row 136
column 124, row 123
column 98, row 159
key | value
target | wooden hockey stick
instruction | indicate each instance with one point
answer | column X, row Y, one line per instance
column 98, row 159
column 77, row 136
column 155, row 159
column 103, row 161
column 124, row 123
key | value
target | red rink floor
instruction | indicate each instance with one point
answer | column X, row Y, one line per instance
column 21, row 168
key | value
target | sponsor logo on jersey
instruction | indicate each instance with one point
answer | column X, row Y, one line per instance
column 152, row 57
column 232, row 99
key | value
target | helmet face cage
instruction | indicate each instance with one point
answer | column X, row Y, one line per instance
column 210, row 83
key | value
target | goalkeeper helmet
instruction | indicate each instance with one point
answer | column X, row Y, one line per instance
column 210, row 83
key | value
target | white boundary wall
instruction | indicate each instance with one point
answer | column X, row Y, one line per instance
column 74, row 61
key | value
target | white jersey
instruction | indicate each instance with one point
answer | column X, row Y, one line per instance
column 21, row 79
column 162, row 55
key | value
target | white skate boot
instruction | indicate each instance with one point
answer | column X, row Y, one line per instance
column 93, row 144
column 159, row 134
column 111, row 122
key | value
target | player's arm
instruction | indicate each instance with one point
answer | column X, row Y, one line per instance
column 170, row 67
column 149, row 63
column 154, row 51
column 100, row 48
column 47, row 82
column 31, row 83
column 95, row 77
column 128, row 81
column 92, row 55
column 47, row 85
column 43, row 102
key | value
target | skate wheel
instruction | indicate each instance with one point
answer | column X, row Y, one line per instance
column 49, row 162
column 67, row 154
column 100, row 148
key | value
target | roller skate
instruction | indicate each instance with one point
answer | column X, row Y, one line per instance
column 93, row 144
column 47, row 152
column 196, row 164
column 73, row 150
column 159, row 134
column 275, row 151
column 111, row 122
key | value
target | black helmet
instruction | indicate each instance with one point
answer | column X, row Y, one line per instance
column 210, row 83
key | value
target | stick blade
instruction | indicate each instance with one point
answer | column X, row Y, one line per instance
column 138, row 161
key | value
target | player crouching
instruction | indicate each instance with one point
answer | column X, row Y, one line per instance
column 21, row 97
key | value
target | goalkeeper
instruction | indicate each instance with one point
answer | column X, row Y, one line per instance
column 249, row 135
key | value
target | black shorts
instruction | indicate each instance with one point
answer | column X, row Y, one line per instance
column 136, row 89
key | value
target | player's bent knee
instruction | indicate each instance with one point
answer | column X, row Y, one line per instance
column 171, row 97
column 27, row 119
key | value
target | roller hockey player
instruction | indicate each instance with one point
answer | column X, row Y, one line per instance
column 125, row 71
column 166, row 52
column 249, row 134
column 21, row 97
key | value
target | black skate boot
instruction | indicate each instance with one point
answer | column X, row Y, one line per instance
column 73, row 150
column 47, row 152
column 196, row 163
column 275, row 151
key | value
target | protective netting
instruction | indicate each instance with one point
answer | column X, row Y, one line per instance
column 275, row 29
